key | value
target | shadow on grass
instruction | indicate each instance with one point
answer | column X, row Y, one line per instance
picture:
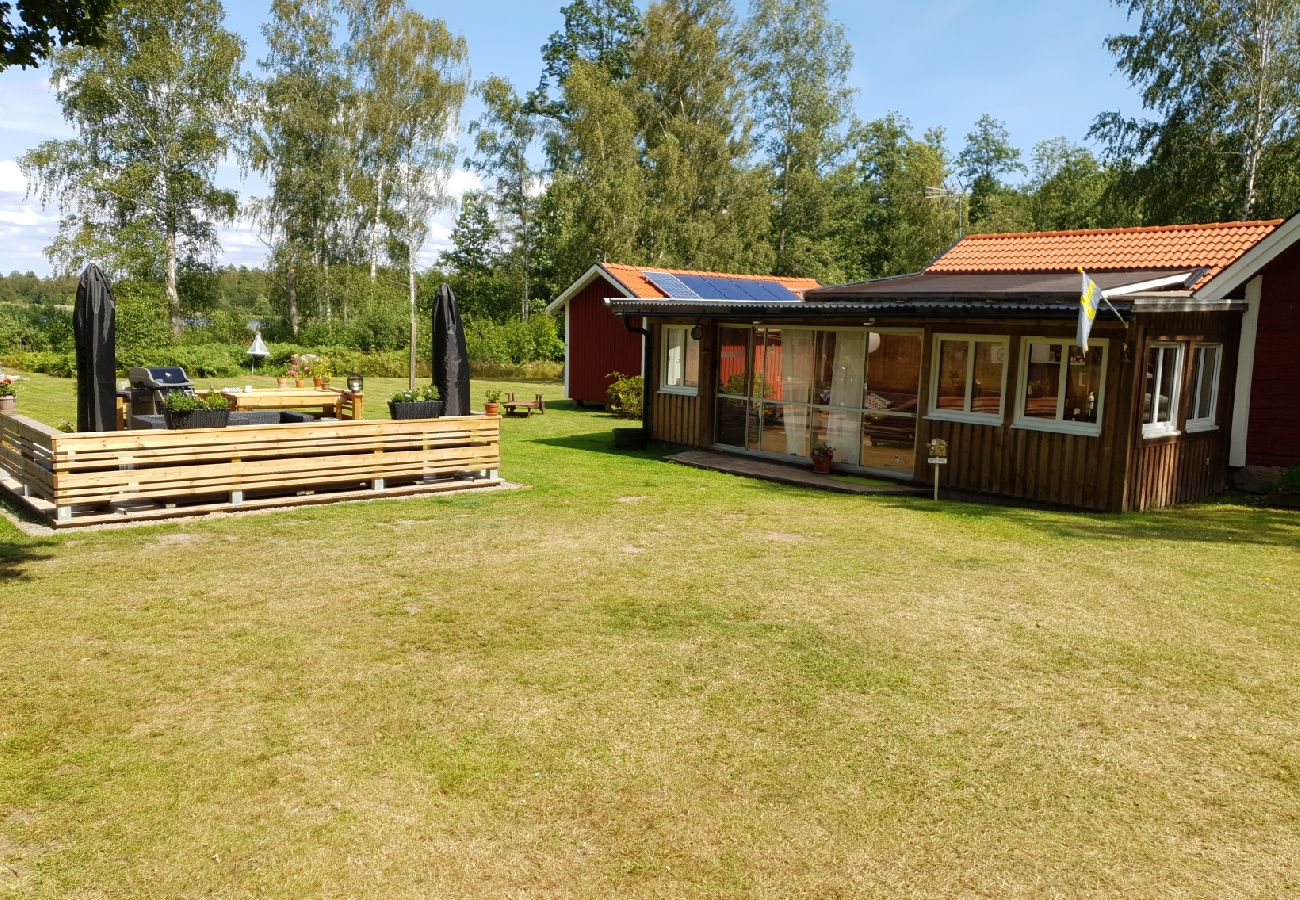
column 15, row 556
column 603, row 442
column 1224, row 521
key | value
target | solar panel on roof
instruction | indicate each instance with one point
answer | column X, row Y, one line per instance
column 672, row 286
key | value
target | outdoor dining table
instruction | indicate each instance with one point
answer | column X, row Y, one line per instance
column 340, row 404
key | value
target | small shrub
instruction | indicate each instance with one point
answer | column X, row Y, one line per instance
column 625, row 397
column 492, row 395
column 1289, row 483
column 419, row 395
column 181, row 402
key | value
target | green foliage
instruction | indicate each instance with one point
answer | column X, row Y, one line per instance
column 625, row 397
column 28, row 36
column 514, row 341
column 27, row 327
column 181, row 402
column 1221, row 79
column 143, row 325
column 1289, row 483
column 987, row 157
column 492, row 395
column 419, row 395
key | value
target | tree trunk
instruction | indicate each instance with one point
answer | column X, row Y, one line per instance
column 291, row 288
column 374, row 228
column 410, row 290
column 173, row 296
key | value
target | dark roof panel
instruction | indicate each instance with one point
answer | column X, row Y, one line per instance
column 986, row 284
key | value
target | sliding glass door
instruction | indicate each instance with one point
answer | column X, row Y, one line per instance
column 782, row 390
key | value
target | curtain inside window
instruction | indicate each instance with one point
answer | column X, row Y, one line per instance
column 796, row 384
column 843, row 428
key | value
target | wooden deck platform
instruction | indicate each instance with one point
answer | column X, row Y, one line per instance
column 787, row 473
column 94, row 478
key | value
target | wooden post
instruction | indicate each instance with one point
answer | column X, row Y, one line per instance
column 936, row 481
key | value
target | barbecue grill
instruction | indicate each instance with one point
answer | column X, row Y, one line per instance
column 150, row 385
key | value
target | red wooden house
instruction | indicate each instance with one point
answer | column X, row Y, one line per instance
column 596, row 342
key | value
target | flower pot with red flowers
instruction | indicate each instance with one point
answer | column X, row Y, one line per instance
column 823, row 454
column 8, row 393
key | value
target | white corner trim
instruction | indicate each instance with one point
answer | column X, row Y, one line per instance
column 566, row 352
column 1249, row 263
column 587, row 278
column 1245, row 373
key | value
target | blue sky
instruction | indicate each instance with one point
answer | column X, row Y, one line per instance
column 1039, row 66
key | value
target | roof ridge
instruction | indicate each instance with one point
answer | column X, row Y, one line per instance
column 671, row 271
column 1076, row 232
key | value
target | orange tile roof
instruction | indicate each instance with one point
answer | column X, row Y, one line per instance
column 633, row 278
column 1213, row 247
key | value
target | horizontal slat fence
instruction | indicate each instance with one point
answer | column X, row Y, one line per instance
column 79, row 475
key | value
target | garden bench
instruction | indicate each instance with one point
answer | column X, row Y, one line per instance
column 524, row 407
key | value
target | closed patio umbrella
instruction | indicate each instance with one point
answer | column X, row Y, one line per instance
column 94, row 327
column 450, row 362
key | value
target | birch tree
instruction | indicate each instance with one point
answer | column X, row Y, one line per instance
column 156, row 107
column 1222, row 78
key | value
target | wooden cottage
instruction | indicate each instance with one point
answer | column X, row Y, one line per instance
column 1190, row 375
column 597, row 343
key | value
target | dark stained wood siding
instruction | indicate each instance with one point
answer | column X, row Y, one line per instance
column 1273, row 434
column 678, row 418
column 598, row 344
column 1187, row 466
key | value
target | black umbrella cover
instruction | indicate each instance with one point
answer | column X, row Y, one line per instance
column 94, row 325
column 450, row 362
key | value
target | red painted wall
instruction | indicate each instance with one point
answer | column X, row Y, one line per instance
column 598, row 343
column 1273, row 434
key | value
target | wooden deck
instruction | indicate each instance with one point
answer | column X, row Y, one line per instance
column 93, row 478
column 787, row 473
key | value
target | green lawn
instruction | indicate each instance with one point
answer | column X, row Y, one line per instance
column 637, row 678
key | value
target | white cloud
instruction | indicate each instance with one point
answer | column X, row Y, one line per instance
column 461, row 181
column 12, row 179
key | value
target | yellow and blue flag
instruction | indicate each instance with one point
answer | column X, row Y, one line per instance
column 1090, row 296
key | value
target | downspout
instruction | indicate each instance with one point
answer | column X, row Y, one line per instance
column 646, row 408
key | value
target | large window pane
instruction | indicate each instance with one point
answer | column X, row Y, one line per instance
column 784, row 429
column 986, row 392
column 1161, row 389
column 840, row 429
column 953, row 363
column 731, row 422
column 1082, row 385
column 847, row 374
column 1204, row 378
column 767, row 366
column 674, row 339
column 893, row 372
column 888, row 442
column 733, row 351
column 1042, row 381
column 824, row 372
column 1168, row 383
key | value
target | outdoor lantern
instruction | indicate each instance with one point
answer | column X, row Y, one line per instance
column 257, row 350
column 356, row 382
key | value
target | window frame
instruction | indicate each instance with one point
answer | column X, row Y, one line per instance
column 1210, row 422
column 966, row 415
column 1059, row 425
column 683, row 388
column 1151, row 430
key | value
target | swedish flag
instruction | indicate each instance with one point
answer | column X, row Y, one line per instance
column 1090, row 296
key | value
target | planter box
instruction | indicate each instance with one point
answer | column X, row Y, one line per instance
column 630, row 438
column 200, row 418
column 420, row 409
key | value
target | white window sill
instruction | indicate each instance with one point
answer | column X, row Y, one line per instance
column 680, row 391
column 1194, row 427
column 1159, row 431
column 1084, row 429
column 947, row 415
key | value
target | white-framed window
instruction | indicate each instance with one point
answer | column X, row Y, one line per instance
column 1206, row 362
column 1162, row 389
column 968, row 377
column 1061, row 386
column 679, row 370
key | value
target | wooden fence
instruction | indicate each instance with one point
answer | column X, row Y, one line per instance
column 89, row 478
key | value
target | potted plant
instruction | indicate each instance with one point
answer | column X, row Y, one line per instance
column 181, row 410
column 285, row 378
column 822, row 456
column 8, row 393
column 492, row 402
column 421, row 403
column 322, row 378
